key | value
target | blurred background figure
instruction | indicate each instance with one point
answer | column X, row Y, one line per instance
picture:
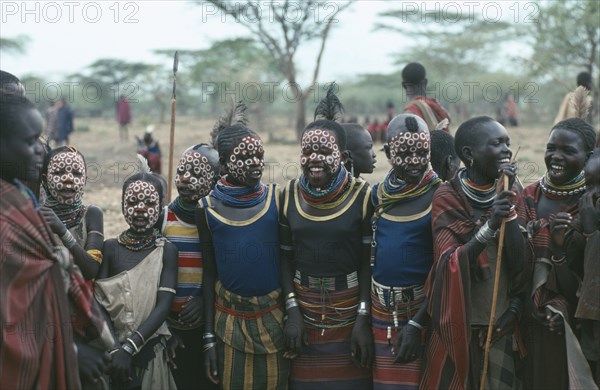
column 123, row 117
column 149, row 148
column 64, row 122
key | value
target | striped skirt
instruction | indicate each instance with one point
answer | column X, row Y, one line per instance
column 384, row 301
column 250, row 343
column 329, row 308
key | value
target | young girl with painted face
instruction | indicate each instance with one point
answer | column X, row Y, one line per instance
column 136, row 285
column 466, row 214
column 197, row 173
column 402, row 253
column 553, row 360
column 80, row 227
column 325, row 270
column 238, row 229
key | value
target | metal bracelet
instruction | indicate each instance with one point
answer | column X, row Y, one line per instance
column 68, row 240
column 208, row 346
column 560, row 261
column 208, row 335
column 415, row 324
column 485, row 233
column 290, row 296
column 363, row 309
column 291, row 302
column 141, row 337
column 129, row 340
column 128, row 348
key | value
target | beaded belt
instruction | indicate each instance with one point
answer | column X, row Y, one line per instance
column 331, row 283
column 391, row 296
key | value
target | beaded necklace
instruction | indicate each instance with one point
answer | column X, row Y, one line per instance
column 184, row 212
column 240, row 197
column 331, row 197
column 394, row 190
column 572, row 187
column 69, row 214
column 136, row 242
column 481, row 196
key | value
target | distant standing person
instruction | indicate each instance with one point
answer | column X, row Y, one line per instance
column 123, row 117
column 51, row 114
column 415, row 84
column 149, row 148
column 64, row 122
column 510, row 111
column 584, row 79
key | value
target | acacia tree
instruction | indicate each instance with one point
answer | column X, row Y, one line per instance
column 282, row 27
column 15, row 45
column 567, row 35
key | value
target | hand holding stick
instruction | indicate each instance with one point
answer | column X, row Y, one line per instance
column 488, row 341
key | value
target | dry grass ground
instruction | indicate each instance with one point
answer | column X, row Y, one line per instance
column 111, row 161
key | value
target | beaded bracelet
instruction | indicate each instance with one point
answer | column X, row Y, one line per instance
column 290, row 296
column 415, row 324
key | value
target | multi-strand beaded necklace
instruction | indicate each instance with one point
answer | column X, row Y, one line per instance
column 572, row 187
column 331, row 197
column 240, row 197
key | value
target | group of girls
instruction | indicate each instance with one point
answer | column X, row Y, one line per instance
column 331, row 283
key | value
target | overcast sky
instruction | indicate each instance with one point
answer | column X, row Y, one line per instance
column 66, row 36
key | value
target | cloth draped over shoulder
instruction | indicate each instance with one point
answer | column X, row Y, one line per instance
column 545, row 291
column 44, row 301
column 429, row 110
column 448, row 287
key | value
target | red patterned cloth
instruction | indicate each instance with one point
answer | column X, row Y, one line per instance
column 429, row 109
column 37, row 313
column 449, row 288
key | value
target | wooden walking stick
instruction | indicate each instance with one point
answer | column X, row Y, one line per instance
column 488, row 340
column 172, row 137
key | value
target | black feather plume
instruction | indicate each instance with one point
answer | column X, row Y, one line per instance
column 235, row 115
column 330, row 108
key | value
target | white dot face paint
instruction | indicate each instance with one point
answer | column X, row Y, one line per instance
column 410, row 153
column 141, row 205
column 321, row 157
column 195, row 176
column 66, row 177
column 246, row 162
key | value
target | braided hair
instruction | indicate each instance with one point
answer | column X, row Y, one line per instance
column 230, row 129
column 580, row 127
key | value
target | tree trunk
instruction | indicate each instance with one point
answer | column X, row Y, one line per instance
column 300, row 118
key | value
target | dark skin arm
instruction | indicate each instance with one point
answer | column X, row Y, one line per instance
column 362, row 344
column 294, row 325
column 168, row 278
column 209, row 277
column 408, row 342
column 95, row 223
